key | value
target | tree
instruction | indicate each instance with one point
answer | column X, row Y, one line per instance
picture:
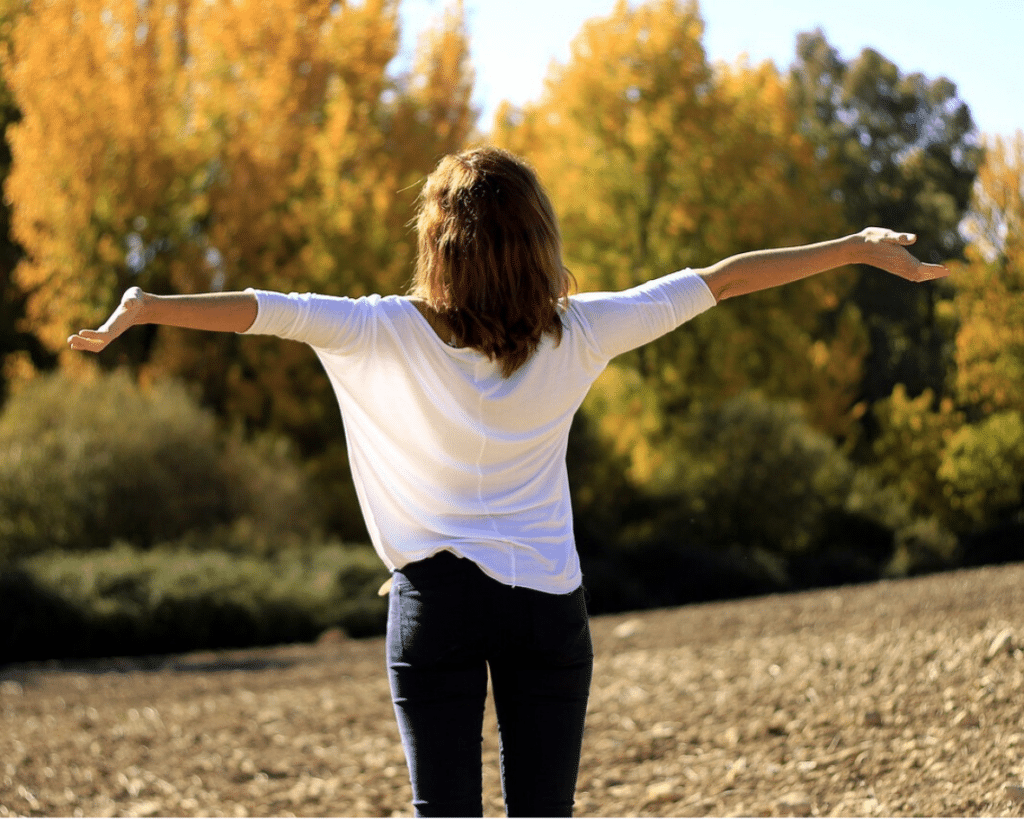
column 92, row 157
column 656, row 161
column 990, row 287
column 907, row 153
column 219, row 144
column 20, row 351
column 961, row 459
column 194, row 146
column 983, row 465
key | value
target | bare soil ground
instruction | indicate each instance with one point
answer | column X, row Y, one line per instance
column 900, row 698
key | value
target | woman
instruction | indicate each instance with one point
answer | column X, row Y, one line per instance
column 457, row 402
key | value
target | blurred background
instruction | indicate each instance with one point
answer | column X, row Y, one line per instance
column 186, row 491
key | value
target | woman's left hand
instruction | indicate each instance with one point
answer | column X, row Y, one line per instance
column 126, row 315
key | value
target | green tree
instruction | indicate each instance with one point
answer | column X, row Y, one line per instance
column 907, row 154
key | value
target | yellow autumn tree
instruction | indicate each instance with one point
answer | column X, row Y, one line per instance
column 989, row 299
column 189, row 146
column 657, row 160
column 316, row 151
column 962, row 461
column 982, row 468
column 93, row 155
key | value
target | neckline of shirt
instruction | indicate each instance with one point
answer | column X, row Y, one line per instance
column 462, row 352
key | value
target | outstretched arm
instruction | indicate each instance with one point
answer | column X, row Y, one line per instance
column 222, row 312
column 761, row 269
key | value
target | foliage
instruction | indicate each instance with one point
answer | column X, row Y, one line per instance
column 922, row 546
column 989, row 300
column 982, row 469
column 959, row 459
column 907, row 153
column 995, row 223
column 723, row 477
column 657, row 161
column 962, row 474
column 758, row 475
column 990, row 340
column 124, row 601
column 187, row 147
column 913, row 434
column 85, row 463
column 750, row 498
column 905, row 145
column 20, row 350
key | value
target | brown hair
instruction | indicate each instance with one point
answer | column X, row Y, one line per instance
column 490, row 254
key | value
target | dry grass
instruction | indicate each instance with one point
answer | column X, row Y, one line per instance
column 894, row 699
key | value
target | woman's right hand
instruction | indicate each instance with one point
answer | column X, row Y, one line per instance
column 127, row 314
column 887, row 249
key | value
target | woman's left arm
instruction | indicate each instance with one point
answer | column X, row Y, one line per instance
column 761, row 269
column 218, row 312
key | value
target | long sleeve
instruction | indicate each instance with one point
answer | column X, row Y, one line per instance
column 323, row 322
column 628, row 319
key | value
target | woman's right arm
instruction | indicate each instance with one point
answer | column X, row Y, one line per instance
column 218, row 312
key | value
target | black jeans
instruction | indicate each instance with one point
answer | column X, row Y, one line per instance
column 447, row 623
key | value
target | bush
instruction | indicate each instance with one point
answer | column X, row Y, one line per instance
column 982, row 469
column 124, row 601
column 85, row 463
column 756, row 474
column 756, row 500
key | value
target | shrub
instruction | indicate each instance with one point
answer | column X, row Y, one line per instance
column 912, row 434
column 982, row 469
column 753, row 500
column 922, row 546
column 758, row 475
column 171, row 598
column 85, row 463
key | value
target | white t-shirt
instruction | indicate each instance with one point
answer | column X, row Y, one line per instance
column 445, row 452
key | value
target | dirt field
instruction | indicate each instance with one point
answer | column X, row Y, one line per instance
column 894, row 699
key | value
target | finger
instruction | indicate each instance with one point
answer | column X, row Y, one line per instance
column 926, row 272
column 935, row 271
column 87, row 340
column 91, row 337
column 902, row 238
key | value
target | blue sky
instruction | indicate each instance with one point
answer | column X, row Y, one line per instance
column 976, row 44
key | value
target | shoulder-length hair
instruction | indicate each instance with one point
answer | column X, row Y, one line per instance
column 490, row 255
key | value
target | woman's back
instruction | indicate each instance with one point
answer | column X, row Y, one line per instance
column 447, row 451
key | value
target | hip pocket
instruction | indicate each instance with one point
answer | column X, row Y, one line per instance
column 432, row 620
column 561, row 628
